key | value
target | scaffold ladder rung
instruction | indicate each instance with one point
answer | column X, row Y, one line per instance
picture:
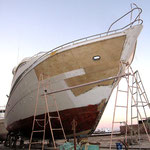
column 134, row 117
column 53, row 117
column 121, row 106
column 136, row 82
column 134, row 93
column 123, row 91
column 38, row 131
column 57, row 129
column 132, row 86
column 39, row 119
column 142, row 93
column 135, row 105
column 36, row 143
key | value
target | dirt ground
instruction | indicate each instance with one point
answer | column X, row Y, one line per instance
column 103, row 142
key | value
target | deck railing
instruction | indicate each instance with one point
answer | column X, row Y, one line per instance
column 136, row 20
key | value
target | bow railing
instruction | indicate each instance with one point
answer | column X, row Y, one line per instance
column 136, row 20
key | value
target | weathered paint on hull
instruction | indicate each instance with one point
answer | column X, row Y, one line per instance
column 85, row 117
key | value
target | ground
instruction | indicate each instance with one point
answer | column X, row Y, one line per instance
column 103, row 141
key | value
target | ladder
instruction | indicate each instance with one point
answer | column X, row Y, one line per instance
column 140, row 103
column 120, row 90
column 136, row 89
column 43, row 122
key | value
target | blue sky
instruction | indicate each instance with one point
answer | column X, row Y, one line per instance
column 30, row 26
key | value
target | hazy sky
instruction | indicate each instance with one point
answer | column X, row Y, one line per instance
column 30, row 26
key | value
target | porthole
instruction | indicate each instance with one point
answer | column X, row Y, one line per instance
column 96, row 57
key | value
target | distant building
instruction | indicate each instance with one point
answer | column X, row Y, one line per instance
column 135, row 127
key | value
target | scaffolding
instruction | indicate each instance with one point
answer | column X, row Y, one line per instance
column 134, row 88
column 137, row 98
column 43, row 86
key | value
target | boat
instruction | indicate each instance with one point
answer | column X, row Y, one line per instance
column 82, row 61
column 3, row 131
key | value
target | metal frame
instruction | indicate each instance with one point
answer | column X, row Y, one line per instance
column 134, row 103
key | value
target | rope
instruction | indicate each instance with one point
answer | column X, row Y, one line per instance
column 41, row 125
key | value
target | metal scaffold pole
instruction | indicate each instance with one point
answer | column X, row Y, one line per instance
column 138, row 100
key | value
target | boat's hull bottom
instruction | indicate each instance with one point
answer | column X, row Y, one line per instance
column 84, row 116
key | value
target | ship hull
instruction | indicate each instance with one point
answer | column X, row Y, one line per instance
column 65, row 68
column 3, row 131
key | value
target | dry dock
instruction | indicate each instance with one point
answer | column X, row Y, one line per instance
column 102, row 141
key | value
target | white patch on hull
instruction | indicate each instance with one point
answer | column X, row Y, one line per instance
column 24, row 101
